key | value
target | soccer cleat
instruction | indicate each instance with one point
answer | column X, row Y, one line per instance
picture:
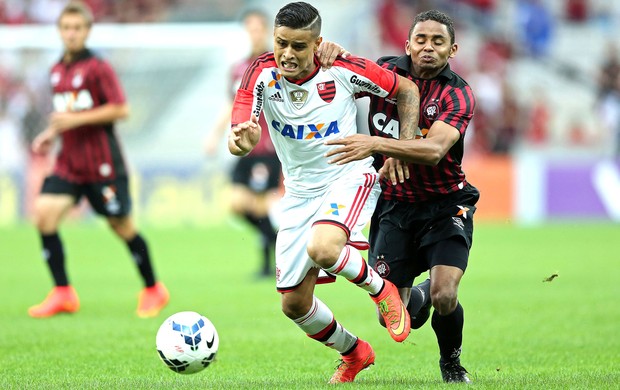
column 350, row 365
column 420, row 318
column 394, row 313
column 62, row 299
column 152, row 300
column 453, row 372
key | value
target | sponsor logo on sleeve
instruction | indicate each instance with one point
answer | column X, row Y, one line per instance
column 365, row 85
column 260, row 89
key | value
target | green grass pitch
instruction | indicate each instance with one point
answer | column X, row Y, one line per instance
column 520, row 332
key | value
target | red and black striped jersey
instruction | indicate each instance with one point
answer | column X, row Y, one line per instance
column 447, row 98
column 89, row 153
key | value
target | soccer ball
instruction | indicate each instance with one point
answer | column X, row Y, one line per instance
column 187, row 342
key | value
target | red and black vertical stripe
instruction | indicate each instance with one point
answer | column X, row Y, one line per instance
column 447, row 98
column 90, row 153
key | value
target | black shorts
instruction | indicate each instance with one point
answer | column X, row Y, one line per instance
column 109, row 198
column 408, row 239
column 258, row 173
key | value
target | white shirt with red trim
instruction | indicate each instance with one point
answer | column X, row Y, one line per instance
column 303, row 114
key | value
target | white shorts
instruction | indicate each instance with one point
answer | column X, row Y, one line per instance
column 348, row 203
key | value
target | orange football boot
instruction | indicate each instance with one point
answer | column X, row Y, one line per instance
column 394, row 312
column 351, row 364
column 152, row 300
column 62, row 299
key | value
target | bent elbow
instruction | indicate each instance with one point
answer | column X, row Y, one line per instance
column 434, row 157
column 123, row 112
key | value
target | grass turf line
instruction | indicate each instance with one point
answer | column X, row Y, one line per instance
column 520, row 332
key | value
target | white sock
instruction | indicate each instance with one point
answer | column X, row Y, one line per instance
column 320, row 325
column 352, row 266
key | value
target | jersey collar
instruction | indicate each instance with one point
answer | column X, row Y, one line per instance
column 311, row 75
column 84, row 54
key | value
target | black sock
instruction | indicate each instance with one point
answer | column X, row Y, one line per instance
column 267, row 247
column 268, row 238
column 449, row 331
column 266, row 228
column 418, row 299
column 263, row 225
column 140, row 252
column 55, row 256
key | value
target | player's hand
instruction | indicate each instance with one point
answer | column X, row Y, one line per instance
column 353, row 148
column 394, row 170
column 244, row 137
column 43, row 142
column 327, row 53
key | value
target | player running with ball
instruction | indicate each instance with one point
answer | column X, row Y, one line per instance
column 325, row 206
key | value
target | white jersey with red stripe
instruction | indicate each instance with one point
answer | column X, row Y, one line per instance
column 302, row 114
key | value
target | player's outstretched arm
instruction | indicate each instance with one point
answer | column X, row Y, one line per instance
column 359, row 146
column 427, row 151
column 64, row 121
column 107, row 113
column 244, row 136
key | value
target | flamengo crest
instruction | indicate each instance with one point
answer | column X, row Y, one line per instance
column 327, row 90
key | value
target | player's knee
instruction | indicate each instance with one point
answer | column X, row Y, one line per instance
column 40, row 221
column 324, row 254
column 238, row 208
column 295, row 308
column 241, row 200
column 44, row 218
column 444, row 300
column 122, row 227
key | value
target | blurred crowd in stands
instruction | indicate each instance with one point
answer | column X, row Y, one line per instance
column 118, row 11
column 502, row 120
column 125, row 11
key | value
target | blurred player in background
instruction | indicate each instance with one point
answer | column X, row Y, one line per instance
column 87, row 100
column 255, row 177
column 325, row 207
column 424, row 219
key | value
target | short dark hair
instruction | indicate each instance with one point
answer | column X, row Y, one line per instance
column 436, row 16
column 299, row 16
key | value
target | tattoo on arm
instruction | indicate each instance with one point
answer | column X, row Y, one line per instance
column 408, row 111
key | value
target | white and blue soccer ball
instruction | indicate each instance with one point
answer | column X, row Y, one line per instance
column 187, row 342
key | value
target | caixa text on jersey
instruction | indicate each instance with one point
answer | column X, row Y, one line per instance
column 306, row 131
